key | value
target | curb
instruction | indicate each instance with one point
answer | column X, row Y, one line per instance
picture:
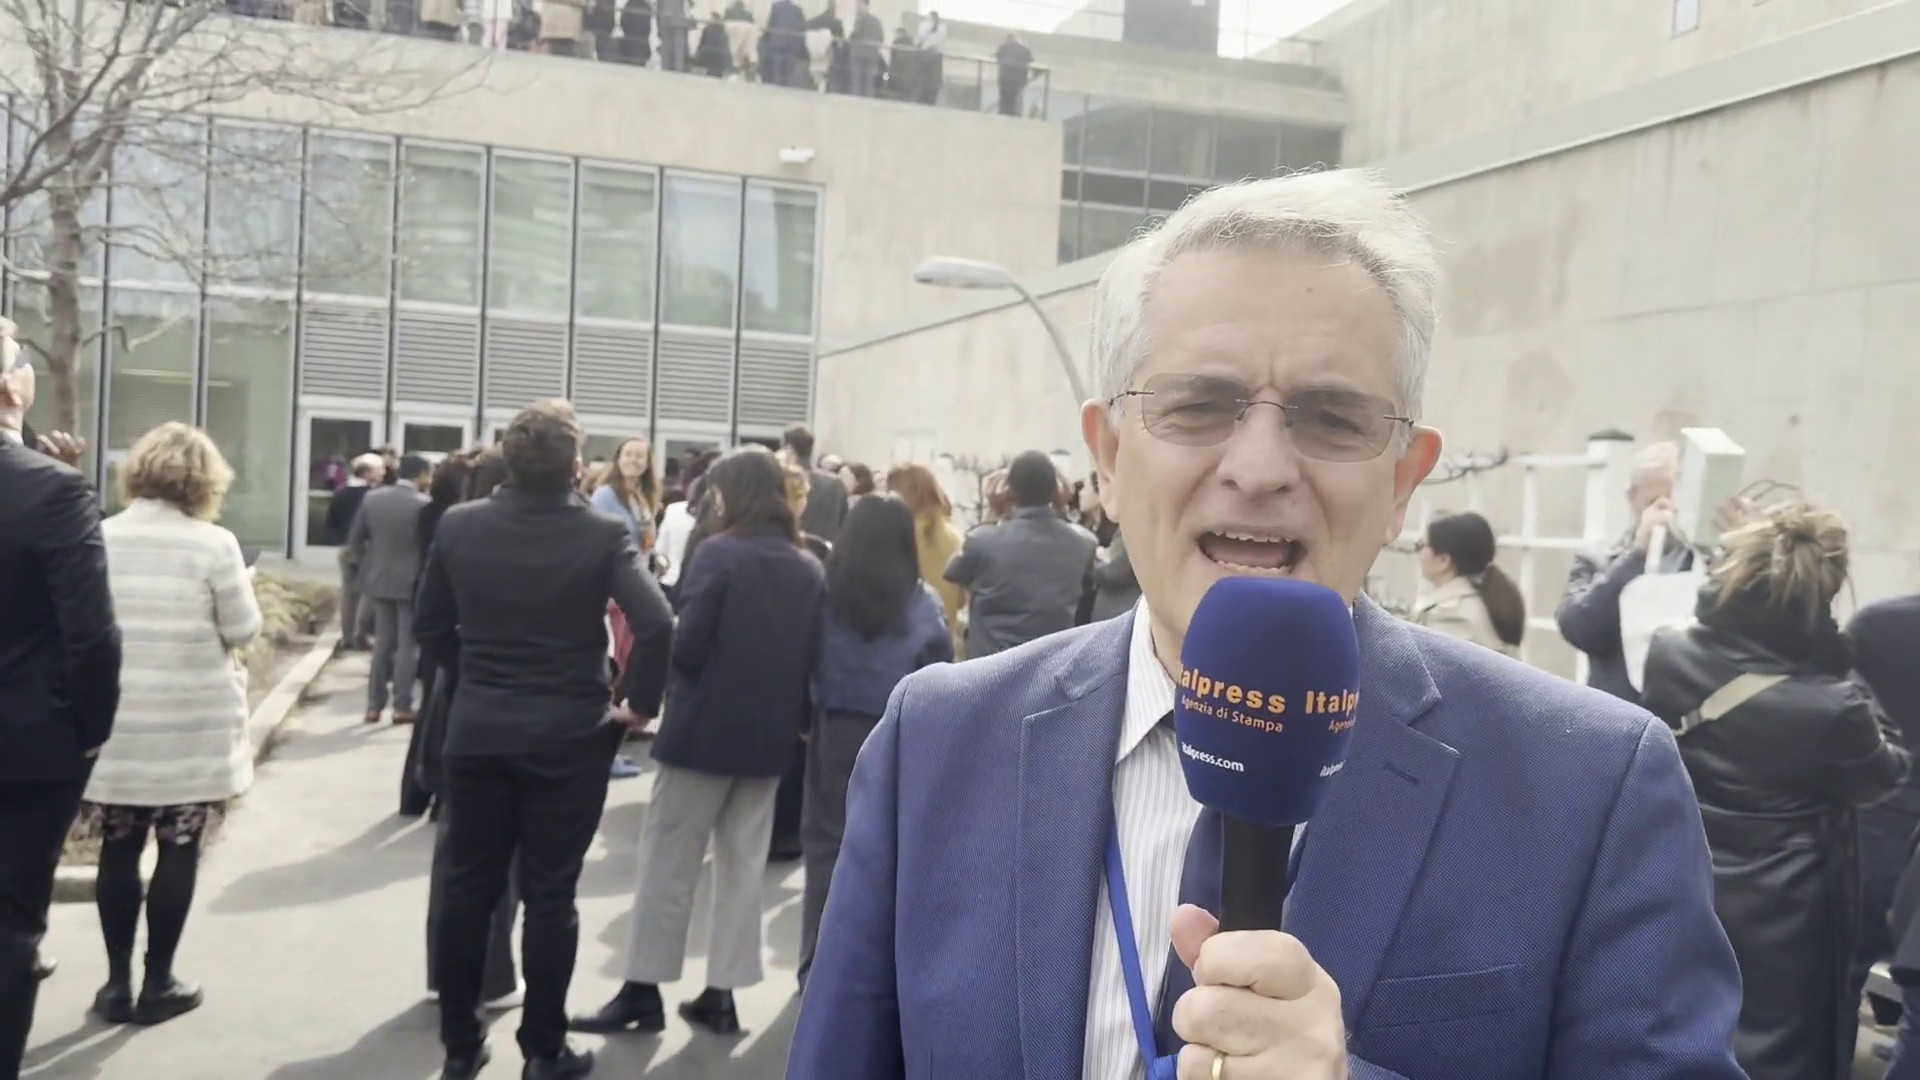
column 265, row 726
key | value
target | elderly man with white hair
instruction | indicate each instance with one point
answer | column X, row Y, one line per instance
column 1589, row 614
column 59, row 681
column 1507, row 881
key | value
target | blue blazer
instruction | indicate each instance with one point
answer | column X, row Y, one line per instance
column 1508, row 881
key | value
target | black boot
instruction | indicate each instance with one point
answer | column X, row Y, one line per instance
column 637, row 1007
column 570, row 1064
column 466, row 1064
column 114, row 1002
column 712, row 1010
column 163, row 997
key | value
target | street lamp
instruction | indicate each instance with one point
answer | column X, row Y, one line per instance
column 950, row 272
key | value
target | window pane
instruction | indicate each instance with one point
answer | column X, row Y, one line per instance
column 349, row 216
column 1116, row 136
column 255, row 235
column 1246, row 148
column 1306, row 148
column 440, row 199
column 702, row 251
column 31, row 228
column 1171, row 195
column 1070, row 111
column 158, row 202
column 249, row 412
column 151, row 359
column 1069, row 232
column 530, row 263
column 35, row 332
column 616, row 243
column 1182, row 144
column 778, row 293
column 1113, row 190
column 1104, row 228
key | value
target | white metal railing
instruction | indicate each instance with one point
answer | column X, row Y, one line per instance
column 1604, row 469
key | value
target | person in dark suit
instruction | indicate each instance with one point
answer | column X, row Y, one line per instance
column 385, row 542
column 59, row 683
column 826, row 495
column 366, row 471
column 1025, row 574
column 751, row 603
column 514, row 599
column 1885, row 638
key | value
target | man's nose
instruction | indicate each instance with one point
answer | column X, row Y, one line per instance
column 1260, row 457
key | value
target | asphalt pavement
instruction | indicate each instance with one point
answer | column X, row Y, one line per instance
column 308, row 936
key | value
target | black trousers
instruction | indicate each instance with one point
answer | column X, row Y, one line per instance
column 34, row 819
column 544, row 809
column 788, row 806
column 837, row 739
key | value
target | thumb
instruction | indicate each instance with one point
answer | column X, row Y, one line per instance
column 1192, row 926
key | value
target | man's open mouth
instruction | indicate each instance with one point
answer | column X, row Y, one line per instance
column 1253, row 552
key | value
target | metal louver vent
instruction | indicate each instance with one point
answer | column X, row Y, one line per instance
column 343, row 351
column 526, row 361
column 696, row 377
column 776, row 382
column 613, row 369
column 436, row 358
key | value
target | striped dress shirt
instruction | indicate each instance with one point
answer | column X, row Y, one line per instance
column 1156, row 816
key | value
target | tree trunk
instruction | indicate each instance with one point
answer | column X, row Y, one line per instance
column 63, row 306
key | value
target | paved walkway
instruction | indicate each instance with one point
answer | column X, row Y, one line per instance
column 308, row 937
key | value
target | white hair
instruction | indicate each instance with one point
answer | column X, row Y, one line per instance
column 9, row 347
column 1348, row 213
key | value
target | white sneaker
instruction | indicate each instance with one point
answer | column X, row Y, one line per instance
column 504, row 1002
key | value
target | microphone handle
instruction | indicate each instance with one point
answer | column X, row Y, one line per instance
column 1253, row 874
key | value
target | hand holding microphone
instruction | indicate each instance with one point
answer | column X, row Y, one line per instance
column 1260, row 1006
column 1268, row 695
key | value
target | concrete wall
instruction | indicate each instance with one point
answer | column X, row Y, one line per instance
column 1734, row 246
column 902, row 181
column 1423, row 72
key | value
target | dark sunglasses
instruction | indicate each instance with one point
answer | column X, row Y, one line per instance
column 1326, row 423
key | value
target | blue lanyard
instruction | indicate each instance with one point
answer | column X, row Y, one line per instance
column 1159, row 1066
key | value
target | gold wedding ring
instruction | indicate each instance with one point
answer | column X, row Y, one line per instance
column 1219, row 1064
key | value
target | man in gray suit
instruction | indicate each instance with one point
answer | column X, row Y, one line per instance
column 826, row 496
column 385, row 542
column 1025, row 573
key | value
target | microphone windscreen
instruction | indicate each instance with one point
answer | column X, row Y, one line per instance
column 1269, row 689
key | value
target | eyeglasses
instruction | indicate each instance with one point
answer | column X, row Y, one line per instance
column 1326, row 423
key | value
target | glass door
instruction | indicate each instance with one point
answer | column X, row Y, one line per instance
column 328, row 445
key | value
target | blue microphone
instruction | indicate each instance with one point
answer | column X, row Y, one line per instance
column 1269, row 689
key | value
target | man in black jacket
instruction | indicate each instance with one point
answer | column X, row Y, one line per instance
column 59, row 683
column 514, row 597
column 1885, row 638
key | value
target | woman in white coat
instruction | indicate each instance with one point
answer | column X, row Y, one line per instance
column 179, row 749
column 1472, row 599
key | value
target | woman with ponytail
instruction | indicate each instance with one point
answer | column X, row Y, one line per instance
column 1472, row 599
column 1781, row 745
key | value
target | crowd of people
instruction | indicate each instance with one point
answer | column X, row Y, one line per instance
column 777, row 626
column 794, row 49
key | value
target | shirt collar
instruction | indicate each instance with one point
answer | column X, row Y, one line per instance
column 1149, row 688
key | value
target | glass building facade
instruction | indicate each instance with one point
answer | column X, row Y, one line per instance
column 306, row 295
column 1129, row 163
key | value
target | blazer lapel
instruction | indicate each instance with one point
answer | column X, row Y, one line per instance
column 1364, row 848
column 1066, row 802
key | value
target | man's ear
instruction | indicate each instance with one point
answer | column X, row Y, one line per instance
column 1412, row 467
column 1103, row 445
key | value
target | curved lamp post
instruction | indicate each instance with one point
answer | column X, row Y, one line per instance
column 950, row 272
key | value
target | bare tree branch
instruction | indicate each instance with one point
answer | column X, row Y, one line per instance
column 113, row 155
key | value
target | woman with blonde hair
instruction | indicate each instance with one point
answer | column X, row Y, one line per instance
column 1782, row 746
column 935, row 536
column 179, row 749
